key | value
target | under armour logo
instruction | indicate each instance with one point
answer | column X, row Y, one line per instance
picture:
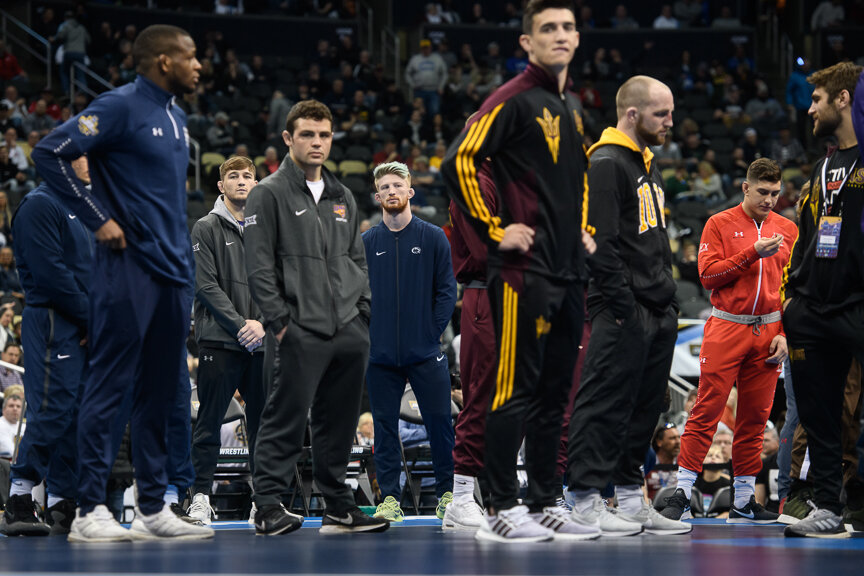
column 207, row 358
column 157, row 131
column 738, row 235
column 702, row 360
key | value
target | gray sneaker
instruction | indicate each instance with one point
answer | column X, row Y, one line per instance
column 820, row 523
column 513, row 525
column 609, row 523
column 560, row 521
column 655, row 523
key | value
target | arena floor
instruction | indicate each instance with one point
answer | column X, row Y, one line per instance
column 420, row 547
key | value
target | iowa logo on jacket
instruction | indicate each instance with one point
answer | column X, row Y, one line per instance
column 551, row 131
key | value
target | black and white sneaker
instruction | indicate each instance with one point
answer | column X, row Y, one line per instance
column 275, row 519
column 352, row 520
column 677, row 506
column 20, row 519
column 752, row 513
column 820, row 523
column 60, row 517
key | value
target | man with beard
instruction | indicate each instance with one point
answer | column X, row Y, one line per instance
column 137, row 146
column 823, row 307
column 741, row 259
column 631, row 302
column 413, row 297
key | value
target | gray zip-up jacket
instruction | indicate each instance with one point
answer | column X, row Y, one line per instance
column 222, row 299
column 305, row 262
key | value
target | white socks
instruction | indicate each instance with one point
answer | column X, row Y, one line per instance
column 745, row 487
column 172, row 494
column 53, row 500
column 463, row 487
column 583, row 500
column 21, row 487
column 686, row 479
column 630, row 498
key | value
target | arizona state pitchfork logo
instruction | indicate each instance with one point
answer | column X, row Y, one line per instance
column 551, row 131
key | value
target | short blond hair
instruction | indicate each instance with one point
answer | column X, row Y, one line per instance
column 397, row 168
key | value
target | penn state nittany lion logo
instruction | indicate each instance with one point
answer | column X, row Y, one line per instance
column 551, row 131
column 88, row 125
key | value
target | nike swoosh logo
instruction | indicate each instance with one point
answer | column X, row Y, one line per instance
column 63, row 356
column 640, row 179
column 228, row 243
column 751, row 515
column 72, row 216
column 440, row 357
column 299, row 212
column 379, row 253
column 348, row 519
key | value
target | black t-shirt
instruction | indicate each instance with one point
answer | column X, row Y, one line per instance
column 838, row 167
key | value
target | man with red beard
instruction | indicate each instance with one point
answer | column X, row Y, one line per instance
column 631, row 303
column 413, row 297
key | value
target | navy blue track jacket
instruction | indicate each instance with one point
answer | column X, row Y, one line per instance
column 413, row 291
column 137, row 147
column 54, row 254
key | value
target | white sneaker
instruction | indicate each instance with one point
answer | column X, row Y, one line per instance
column 609, row 523
column 200, row 509
column 560, row 521
column 164, row 524
column 463, row 514
column 252, row 514
column 97, row 526
column 655, row 523
column 513, row 525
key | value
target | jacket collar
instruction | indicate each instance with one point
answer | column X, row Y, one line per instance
column 149, row 89
column 615, row 137
column 542, row 78
column 332, row 187
column 221, row 210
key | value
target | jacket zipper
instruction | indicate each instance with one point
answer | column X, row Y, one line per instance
column 759, row 285
column 327, row 264
column 398, row 312
column 171, row 117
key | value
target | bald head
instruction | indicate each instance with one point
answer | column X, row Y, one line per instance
column 639, row 92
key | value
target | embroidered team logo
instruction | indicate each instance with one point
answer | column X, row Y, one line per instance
column 543, row 327
column 552, row 132
column 88, row 125
column 196, row 247
column 341, row 212
column 738, row 235
column 415, row 250
column 703, row 247
column 251, row 220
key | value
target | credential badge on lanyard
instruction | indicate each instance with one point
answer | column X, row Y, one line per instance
column 828, row 233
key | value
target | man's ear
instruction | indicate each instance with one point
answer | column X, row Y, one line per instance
column 219, row 186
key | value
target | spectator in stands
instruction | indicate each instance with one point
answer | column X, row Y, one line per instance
column 476, row 16
column 723, row 437
column 787, row 151
column 11, row 354
column 798, row 97
column 427, row 290
column 279, row 107
column 827, row 14
column 314, row 80
column 32, row 139
column 752, row 145
column 741, row 61
column 443, row 50
column 220, row 136
column 765, row 111
column 512, row 16
column 666, row 21
column 39, row 120
column 516, row 63
column 622, row 20
column 666, row 444
column 271, row 159
column 668, row 154
column 74, row 38
column 12, row 405
column 9, row 67
column 17, row 156
column 388, row 153
column 726, row 19
column 438, row 156
column 677, row 183
column 789, row 198
column 713, row 477
column 426, row 75
column 766, row 480
column 732, row 108
column 688, row 264
column 46, row 24
column 597, row 68
column 16, row 104
column 693, row 151
column 15, row 182
column 5, row 220
column 412, row 131
column 688, row 12
column 391, row 101
column 707, row 184
column 365, row 430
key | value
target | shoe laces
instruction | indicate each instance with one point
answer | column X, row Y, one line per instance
column 561, row 503
column 515, row 517
column 200, row 505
